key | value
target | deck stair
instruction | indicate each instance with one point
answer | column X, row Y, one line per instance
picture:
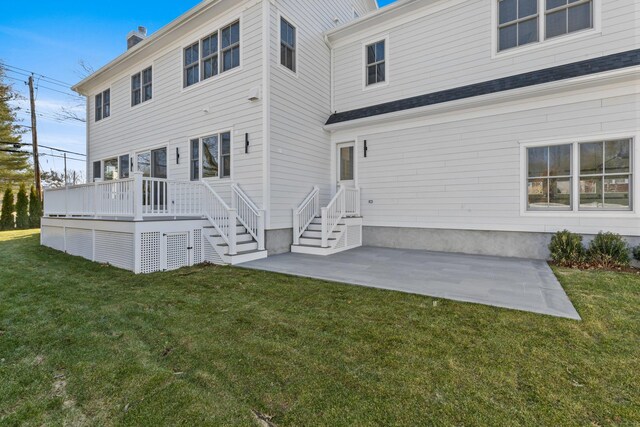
column 331, row 229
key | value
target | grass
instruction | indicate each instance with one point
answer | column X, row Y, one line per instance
column 86, row 344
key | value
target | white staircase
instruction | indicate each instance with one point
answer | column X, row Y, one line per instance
column 242, row 242
column 332, row 229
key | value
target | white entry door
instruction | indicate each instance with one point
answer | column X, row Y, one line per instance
column 346, row 160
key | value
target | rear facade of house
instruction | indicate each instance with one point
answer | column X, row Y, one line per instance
column 246, row 129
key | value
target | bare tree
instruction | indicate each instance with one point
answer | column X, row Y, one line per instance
column 86, row 69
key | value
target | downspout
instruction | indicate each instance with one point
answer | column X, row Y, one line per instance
column 332, row 77
column 266, row 112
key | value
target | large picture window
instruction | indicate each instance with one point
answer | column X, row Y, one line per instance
column 601, row 173
column 605, row 175
column 549, row 177
column 211, row 156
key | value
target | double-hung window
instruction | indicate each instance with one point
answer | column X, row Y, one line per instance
column 192, row 64
column 211, row 156
column 212, row 55
column 376, row 71
column 605, row 175
column 141, row 87
column 602, row 174
column 287, row 45
column 567, row 16
column 125, row 166
column 97, row 170
column 103, row 105
column 549, row 177
column 517, row 23
column 521, row 22
column 230, row 46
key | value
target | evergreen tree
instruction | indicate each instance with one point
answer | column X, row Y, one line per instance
column 35, row 209
column 14, row 162
column 22, row 209
column 6, row 214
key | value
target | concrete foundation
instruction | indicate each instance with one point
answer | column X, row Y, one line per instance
column 279, row 241
column 496, row 243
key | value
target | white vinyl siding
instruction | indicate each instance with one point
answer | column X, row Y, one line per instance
column 176, row 115
column 467, row 169
column 466, row 51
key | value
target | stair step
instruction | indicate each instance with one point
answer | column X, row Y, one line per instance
column 240, row 247
column 318, row 234
column 240, row 238
column 239, row 229
column 318, row 221
column 313, row 241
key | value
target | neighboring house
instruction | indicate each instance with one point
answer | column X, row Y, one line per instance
column 252, row 127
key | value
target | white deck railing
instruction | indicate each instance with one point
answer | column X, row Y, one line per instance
column 248, row 214
column 352, row 201
column 141, row 197
column 305, row 213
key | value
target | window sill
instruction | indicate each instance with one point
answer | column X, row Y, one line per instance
column 581, row 214
column 288, row 70
column 212, row 79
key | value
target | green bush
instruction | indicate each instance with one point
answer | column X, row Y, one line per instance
column 6, row 215
column 609, row 250
column 566, row 249
column 22, row 209
column 35, row 209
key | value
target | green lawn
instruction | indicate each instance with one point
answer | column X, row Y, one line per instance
column 82, row 344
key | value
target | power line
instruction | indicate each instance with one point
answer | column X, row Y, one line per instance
column 43, row 146
column 42, row 76
column 4, row 150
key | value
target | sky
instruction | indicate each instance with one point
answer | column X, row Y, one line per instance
column 51, row 39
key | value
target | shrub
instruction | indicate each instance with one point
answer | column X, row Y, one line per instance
column 6, row 214
column 22, row 209
column 566, row 249
column 608, row 250
column 35, row 209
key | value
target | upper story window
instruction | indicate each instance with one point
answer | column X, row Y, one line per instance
column 103, row 105
column 517, row 23
column 214, row 54
column 141, row 87
column 191, row 64
column 521, row 22
column 376, row 63
column 567, row 16
column 287, row 45
column 603, row 174
column 230, row 37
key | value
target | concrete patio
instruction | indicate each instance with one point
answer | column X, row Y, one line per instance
column 513, row 283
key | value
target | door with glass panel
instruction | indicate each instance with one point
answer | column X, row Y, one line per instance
column 346, row 165
column 153, row 164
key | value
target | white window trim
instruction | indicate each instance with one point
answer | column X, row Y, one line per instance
column 102, row 119
column 227, row 179
column 297, row 51
column 575, row 211
column 203, row 34
column 149, row 150
column 542, row 42
column 153, row 85
column 387, row 63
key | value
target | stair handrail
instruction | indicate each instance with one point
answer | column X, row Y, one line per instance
column 249, row 215
column 304, row 214
column 332, row 214
column 220, row 215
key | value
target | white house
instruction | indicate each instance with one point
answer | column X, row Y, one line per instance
column 254, row 127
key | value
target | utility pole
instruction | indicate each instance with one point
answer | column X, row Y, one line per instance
column 34, row 139
column 66, row 180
